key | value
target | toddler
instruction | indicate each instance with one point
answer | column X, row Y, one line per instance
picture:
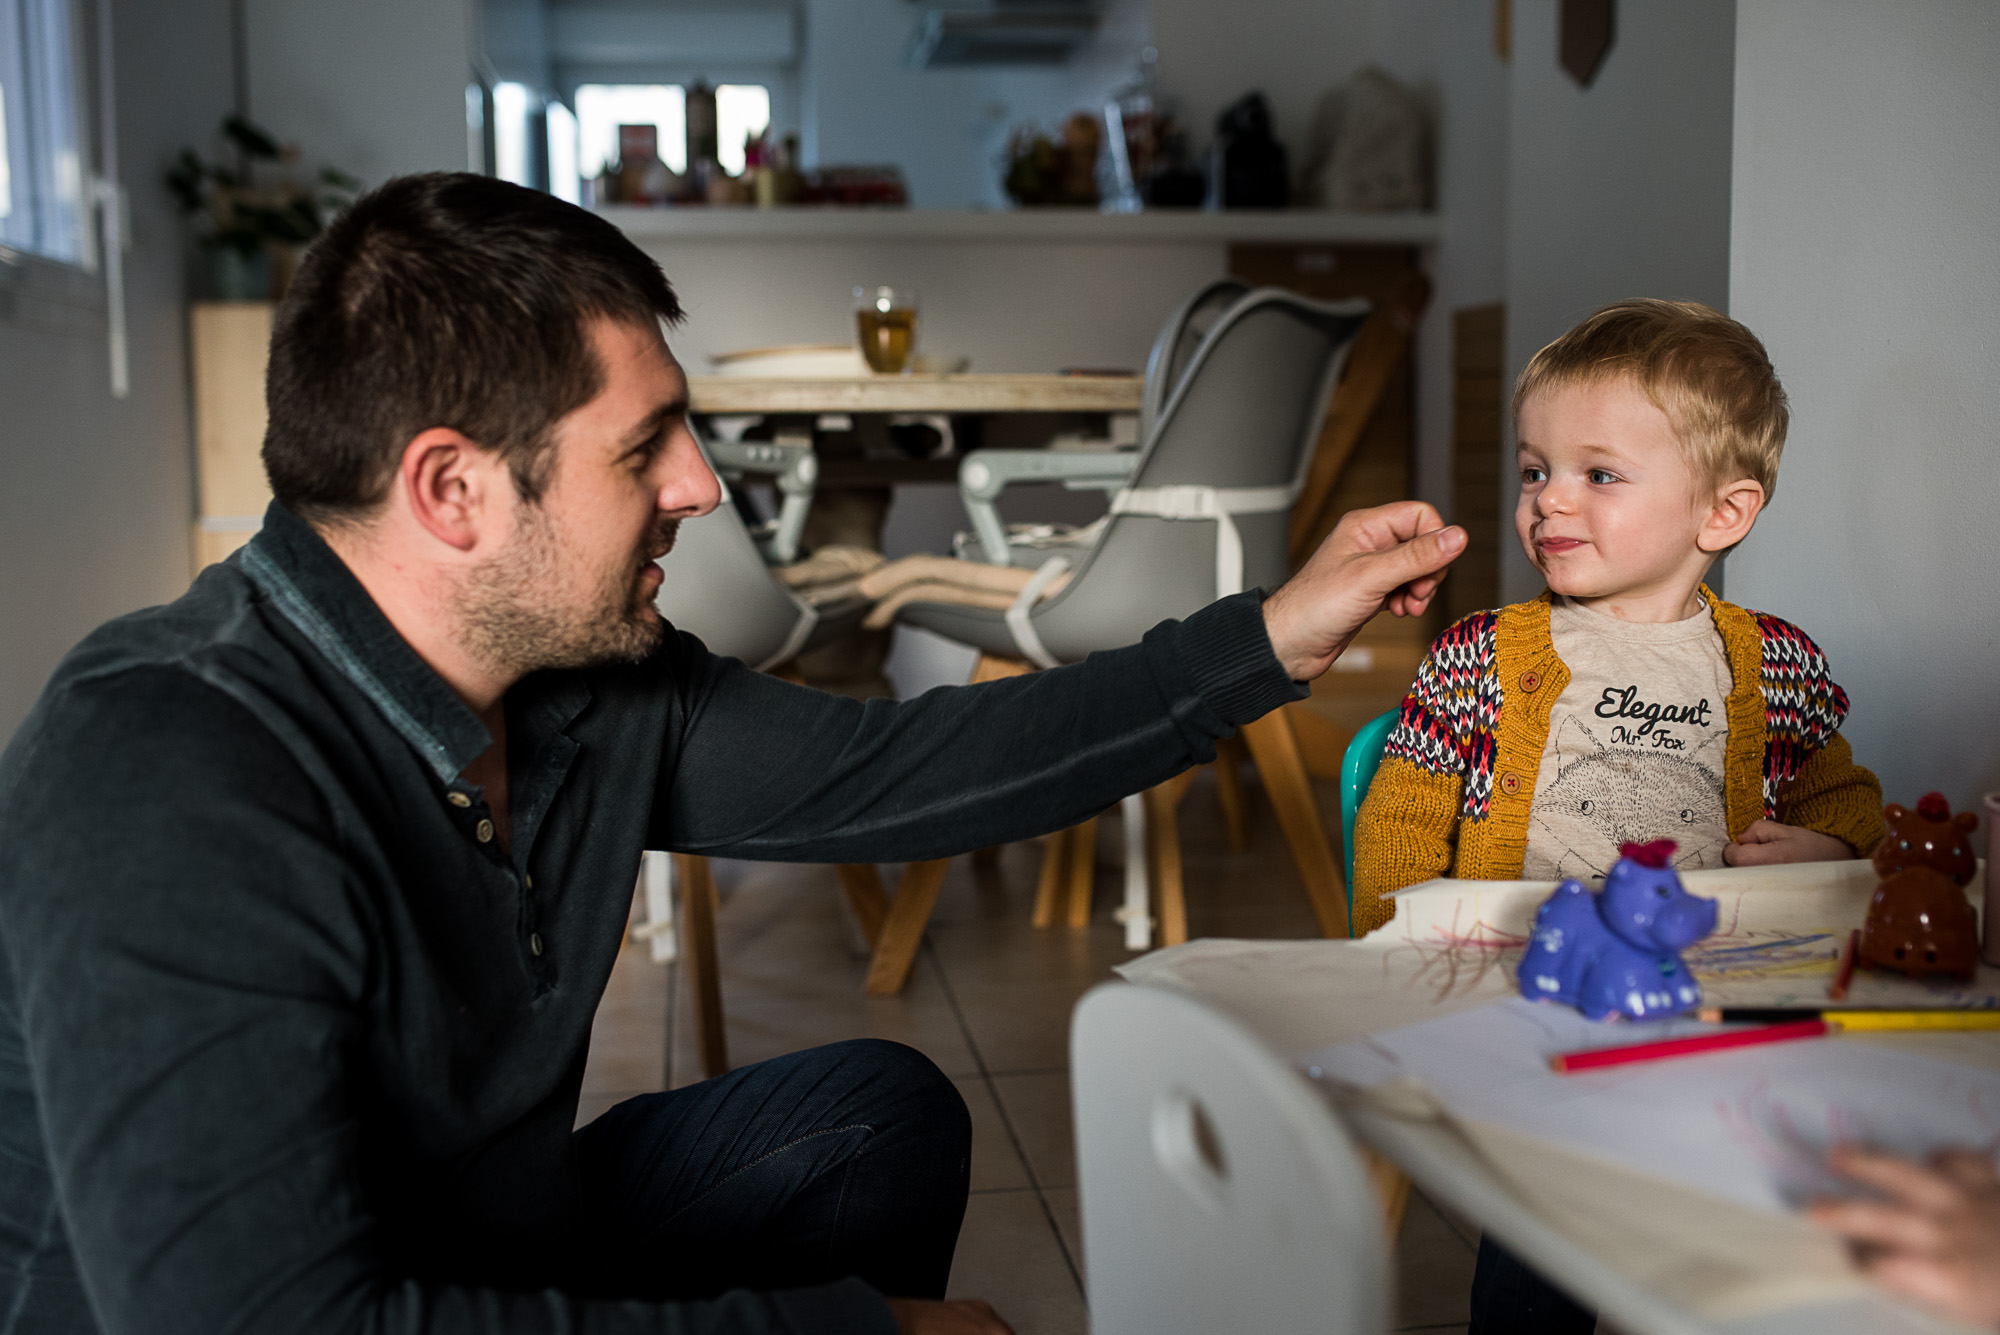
column 1627, row 702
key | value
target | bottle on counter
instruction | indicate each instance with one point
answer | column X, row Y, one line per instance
column 702, row 140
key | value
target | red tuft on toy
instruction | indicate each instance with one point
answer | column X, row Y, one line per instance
column 1658, row 853
column 1933, row 806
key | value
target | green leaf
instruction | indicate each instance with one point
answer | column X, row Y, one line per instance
column 251, row 138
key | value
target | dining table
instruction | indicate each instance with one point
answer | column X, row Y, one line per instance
column 843, row 417
column 961, row 392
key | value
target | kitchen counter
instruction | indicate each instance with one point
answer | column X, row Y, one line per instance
column 814, row 223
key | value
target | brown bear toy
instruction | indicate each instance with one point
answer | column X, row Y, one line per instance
column 1919, row 921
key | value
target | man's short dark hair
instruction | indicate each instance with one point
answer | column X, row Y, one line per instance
column 443, row 300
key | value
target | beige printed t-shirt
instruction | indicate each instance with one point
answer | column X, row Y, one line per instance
column 1636, row 744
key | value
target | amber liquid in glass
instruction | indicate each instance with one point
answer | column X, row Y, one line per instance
column 887, row 337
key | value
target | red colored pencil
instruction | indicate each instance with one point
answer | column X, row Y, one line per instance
column 1844, row 976
column 1566, row 1063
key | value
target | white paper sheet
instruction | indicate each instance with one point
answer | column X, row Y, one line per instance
column 1750, row 1125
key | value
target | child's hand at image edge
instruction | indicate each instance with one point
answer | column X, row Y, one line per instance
column 1936, row 1239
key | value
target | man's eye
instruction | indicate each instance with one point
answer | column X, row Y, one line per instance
column 1601, row 478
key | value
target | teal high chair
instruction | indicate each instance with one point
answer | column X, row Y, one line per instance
column 1357, row 770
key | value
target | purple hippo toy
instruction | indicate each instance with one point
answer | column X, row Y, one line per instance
column 1617, row 951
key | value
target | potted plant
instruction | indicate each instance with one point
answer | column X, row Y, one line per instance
column 253, row 220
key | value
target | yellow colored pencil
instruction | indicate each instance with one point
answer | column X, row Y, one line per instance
column 1856, row 1020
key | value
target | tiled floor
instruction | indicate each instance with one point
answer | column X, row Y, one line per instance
column 989, row 1002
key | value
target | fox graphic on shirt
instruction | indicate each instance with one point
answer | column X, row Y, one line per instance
column 1604, row 796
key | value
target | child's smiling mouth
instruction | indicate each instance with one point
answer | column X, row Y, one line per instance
column 1557, row 546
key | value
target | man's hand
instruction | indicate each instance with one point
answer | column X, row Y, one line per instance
column 963, row 1316
column 1936, row 1239
column 1766, row 843
column 1392, row 556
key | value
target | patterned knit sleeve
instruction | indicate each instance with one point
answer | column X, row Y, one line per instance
column 1810, row 778
column 1408, row 825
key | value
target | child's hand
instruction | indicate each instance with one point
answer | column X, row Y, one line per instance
column 1767, row 843
column 1937, row 1238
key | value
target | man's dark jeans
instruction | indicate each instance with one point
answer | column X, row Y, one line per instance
column 1509, row 1298
column 851, row 1159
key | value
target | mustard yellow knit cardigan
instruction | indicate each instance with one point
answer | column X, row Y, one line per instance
column 1458, row 775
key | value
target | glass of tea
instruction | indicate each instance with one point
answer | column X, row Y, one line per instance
column 885, row 320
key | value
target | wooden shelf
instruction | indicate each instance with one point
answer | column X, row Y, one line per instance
column 810, row 223
column 229, row 342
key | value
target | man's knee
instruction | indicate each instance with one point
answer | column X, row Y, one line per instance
column 897, row 1062
column 907, row 1084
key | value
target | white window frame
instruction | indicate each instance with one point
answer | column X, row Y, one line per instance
column 780, row 80
column 84, row 295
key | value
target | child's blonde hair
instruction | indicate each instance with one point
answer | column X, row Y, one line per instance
column 1705, row 371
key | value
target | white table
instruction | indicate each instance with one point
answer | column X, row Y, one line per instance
column 1449, row 950
column 1448, row 1171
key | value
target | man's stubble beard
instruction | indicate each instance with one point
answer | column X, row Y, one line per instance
column 521, row 616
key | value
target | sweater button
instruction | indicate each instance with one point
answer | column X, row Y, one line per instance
column 1510, row 783
column 1531, row 681
column 483, row 831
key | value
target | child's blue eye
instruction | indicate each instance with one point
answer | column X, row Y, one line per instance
column 1532, row 475
column 1599, row 477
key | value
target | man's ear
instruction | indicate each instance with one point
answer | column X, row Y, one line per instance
column 452, row 486
column 1735, row 508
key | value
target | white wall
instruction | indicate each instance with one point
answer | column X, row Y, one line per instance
column 946, row 128
column 375, row 87
column 1292, row 52
column 1445, row 49
column 94, row 516
column 1618, row 190
column 1865, row 250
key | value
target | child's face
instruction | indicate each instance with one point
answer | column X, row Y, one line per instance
column 1610, row 510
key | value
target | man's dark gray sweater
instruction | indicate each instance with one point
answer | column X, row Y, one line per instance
column 287, row 1042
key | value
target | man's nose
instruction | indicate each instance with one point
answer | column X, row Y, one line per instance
column 691, row 488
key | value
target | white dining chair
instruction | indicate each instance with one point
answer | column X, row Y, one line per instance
column 1235, row 401
column 1219, row 1190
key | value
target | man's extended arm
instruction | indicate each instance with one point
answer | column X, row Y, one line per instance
column 776, row 772
column 765, row 770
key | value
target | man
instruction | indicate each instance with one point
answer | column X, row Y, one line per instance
column 310, row 882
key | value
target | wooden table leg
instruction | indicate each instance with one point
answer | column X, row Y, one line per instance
column 704, row 967
column 1392, row 1189
column 1163, row 839
column 1055, row 874
column 1082, row 871
column 1276, row 751
column 862, row 885
column 1229, row 757
column 903, row 929
column 993, row 667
